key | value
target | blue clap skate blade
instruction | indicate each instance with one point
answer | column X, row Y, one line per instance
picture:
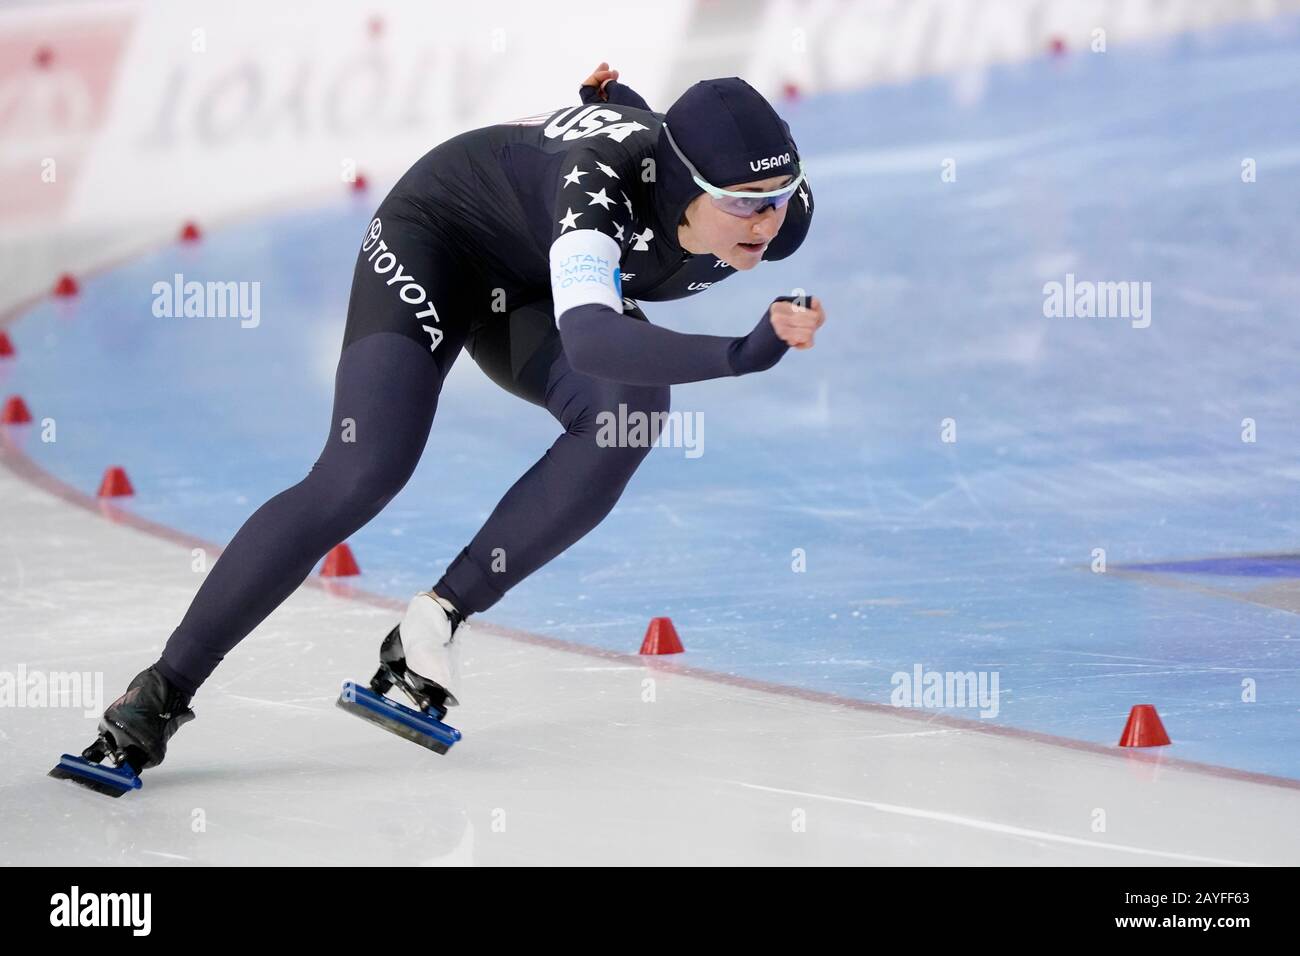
column 110, row 781
column 415, row 726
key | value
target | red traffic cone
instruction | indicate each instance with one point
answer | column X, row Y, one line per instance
column 190, row 232
column 115, row 484
column 661, row 638
column 15, row 411
column 339, row 563
column 359, row 184
column 6, row 346
column 1057, row 46
column 1144, row 728
column 66, row 286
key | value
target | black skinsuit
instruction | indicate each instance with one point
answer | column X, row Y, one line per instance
column 457, row 256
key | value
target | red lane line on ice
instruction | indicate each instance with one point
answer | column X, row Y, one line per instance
column 305, row 199
column 17, row 461
column 11, row 314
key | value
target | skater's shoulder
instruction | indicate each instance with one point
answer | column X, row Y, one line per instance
column 616, row 134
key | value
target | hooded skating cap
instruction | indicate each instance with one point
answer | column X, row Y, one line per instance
column 730, row 133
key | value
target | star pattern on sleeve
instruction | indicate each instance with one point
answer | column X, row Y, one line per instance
column 600, row 199
column 602, row 205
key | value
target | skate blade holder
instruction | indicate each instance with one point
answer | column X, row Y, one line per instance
column 110, row 781
column 417, row 727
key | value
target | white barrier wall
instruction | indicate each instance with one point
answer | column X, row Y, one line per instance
column 120, row 120
column 844, row 44
column 195, row 109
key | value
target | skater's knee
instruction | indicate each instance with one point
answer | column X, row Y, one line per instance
column 627, row 430
column 636, row 418
column 650, row 399
column 365, row 485
column 605, row 404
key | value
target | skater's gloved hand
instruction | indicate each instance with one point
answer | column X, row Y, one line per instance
column 603, row 86
column 593, row 87
column 796, row 319
column 789, row 320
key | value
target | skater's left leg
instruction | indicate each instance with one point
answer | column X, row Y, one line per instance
column 572, row 487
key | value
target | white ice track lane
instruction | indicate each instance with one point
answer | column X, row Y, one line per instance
column 562, row 762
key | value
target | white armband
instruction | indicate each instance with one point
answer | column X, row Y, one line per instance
column 585, row 270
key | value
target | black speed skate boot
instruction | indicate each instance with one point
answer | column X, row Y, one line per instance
column 420, row 657
column 134, row 733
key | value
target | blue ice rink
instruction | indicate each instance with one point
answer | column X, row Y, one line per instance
column 1073, row 434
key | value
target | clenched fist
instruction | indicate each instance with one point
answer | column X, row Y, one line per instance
column 599, row 77
column 796, row 324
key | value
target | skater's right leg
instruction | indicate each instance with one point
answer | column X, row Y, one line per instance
column 575, row 484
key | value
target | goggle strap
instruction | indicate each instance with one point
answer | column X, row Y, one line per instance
column 718, row 191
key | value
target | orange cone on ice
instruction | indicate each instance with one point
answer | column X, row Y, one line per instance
column 6, row 346
column 661, row 638
column 66, row 286
column 115, row 484
column 190, row 232
column 1144, row 728
column 340, row 563
column 15, row 411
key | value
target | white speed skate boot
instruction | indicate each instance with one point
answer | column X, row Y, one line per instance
column 421, row 657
